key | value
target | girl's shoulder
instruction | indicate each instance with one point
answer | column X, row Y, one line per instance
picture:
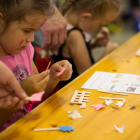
column 75, row 36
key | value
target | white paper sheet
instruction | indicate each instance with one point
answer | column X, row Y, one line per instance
column 116, row 82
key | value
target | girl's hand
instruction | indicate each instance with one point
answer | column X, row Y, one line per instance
column 10, row 102
column 57, row 67
column 103, row 37
column 35, row 83
column 110, row 47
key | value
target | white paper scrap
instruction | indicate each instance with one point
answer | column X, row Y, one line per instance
column 138, row 52
column 120, row 129
column 83, row 105
column 108, row 102
column 75, row 115
column 69, row 111
column 120, row 103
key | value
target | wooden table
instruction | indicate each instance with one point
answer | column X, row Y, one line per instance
column 95, row 125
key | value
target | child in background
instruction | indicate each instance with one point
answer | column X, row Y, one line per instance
column 86, row 16
column 18, row 21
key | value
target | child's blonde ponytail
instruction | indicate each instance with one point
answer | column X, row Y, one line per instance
column 66, row 6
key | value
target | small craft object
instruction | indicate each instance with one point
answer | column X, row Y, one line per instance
column 108, row 102
column 63, row 69
column 69, row 111
column 66, row 128
column 98, row 107
column 27, row 98
column 79, row 97
column 43, row 54
column 120, row 129
column 113, row 92
column 36, row 96
column 48, row 65
column 75, row 115
column 120, row 103
column 83, row 105
column 138, row 52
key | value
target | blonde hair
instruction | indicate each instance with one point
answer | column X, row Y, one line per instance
column 96, row 7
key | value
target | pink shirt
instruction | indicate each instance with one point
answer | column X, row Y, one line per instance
column 21, row 66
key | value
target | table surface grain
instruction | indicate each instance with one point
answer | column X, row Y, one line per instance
column 94, row 125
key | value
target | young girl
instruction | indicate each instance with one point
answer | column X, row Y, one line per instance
column 18, row 21
column 86, row 16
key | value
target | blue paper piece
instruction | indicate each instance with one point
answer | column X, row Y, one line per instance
column 66, row 128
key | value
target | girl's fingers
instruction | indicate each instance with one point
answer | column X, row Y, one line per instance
column 42, row 75
column 67, row 73
column 106, row 33
column 55, row 68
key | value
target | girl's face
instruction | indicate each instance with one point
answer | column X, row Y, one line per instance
column 91, row 24
column 18, row 35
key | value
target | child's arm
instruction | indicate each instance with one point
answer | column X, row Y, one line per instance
column 54, row 79
column 34, row 68
column 109, row 48
column 78, row 51
column 35, row 83
column 102, row 38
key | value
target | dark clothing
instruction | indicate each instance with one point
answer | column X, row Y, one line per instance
column 60, row 57
column 134, row 3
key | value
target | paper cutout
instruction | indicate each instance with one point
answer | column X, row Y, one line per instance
column 83, row 105
column 120, row 129
column 69, row 111
column 79, row 97
column 120, row 103
column 75, row 115
column 138, row 52
column 98, row 107
column 42, row 54
column 37, row 96
column 63, row 69
column 108, row 102
column 66, row 128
